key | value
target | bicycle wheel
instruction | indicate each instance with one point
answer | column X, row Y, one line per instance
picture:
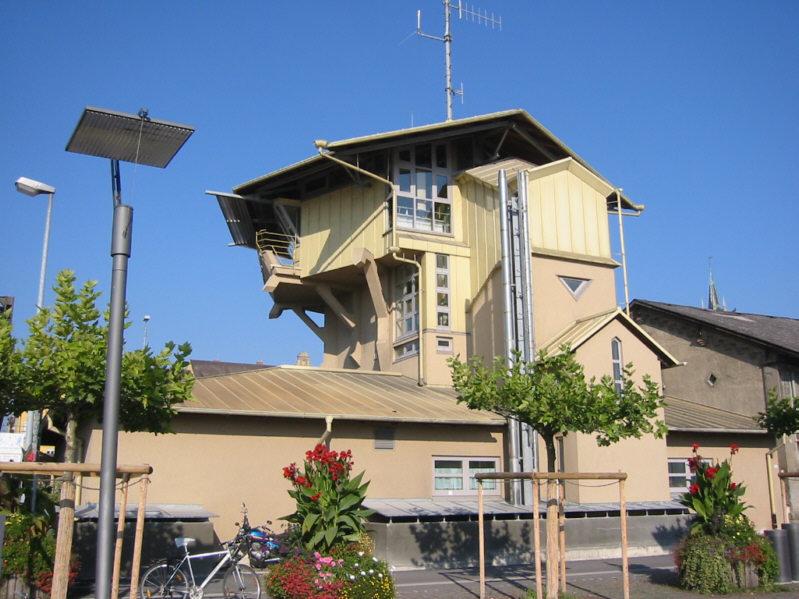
column 163, row 581
column 241, row 582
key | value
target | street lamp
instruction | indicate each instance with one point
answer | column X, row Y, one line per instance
column 141, row 140
column 33, row 188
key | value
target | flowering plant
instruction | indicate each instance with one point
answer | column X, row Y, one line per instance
column 714, row 496
column 329, row 503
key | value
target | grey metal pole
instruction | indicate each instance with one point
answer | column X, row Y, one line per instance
column 513, row 424
column 448, row 57
column 120, row 252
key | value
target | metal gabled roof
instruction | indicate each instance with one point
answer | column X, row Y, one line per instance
column 517, row 118
column 304, row 392
column 682, row 415
column 583, row 329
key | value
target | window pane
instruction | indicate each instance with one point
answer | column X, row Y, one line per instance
column 441, row 156
column 476, row 466
column 423, row 155
column 424, row 184
column 449, row 484
column 405, row 180
column 424, row 215
column 441, row 186
column 442, row 281
column 405, row 155
column 443, row 319
column 678, row 482
column 442, row 218
column 442, row 300
column 442, row 261
column 677, row 467
column 614, row 349
column 405, row 211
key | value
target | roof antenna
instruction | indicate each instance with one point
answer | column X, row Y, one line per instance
column 464, row 13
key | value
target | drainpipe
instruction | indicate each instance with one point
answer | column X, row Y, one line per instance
column 394, row 249
column 325, row 438
column 623, row 253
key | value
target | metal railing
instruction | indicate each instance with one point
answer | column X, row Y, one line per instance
column 285, row 248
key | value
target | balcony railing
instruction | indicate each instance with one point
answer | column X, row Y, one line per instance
column 284, row 248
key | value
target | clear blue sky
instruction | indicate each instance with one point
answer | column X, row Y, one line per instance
column 691, row 107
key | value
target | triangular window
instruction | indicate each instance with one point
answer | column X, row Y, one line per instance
column 575, row 286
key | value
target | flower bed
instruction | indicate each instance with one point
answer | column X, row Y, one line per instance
column 722, row 551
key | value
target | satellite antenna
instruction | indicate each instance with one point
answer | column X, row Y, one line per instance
column 465, row 12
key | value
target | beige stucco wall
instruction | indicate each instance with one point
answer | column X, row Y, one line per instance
column 220, row 461
column 748, row 466
column 644, row 460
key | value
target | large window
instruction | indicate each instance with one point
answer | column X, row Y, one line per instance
column 422, row 176
column 618, row 368
column 406, row 312
column 455, row 475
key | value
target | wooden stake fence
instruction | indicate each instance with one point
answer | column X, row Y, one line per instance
column 556, row 572
column 66, row 517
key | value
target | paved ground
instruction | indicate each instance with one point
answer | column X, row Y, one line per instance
column 650, row 578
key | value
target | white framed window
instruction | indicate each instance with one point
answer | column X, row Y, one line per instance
column 442, row 292
column 404, row 350
column 444, row 345
column 680, row 476
column 422, row 176
column 575, row 285
column 455, row 475
column 406, row 302
column 618, row 367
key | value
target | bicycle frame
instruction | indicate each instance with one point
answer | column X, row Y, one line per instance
column 188, row 559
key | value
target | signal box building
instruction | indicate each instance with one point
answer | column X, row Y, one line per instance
column 388, row 248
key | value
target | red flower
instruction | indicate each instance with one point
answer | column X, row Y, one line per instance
column 315, row 497
column 710, row 473
column 733, row 486
column 734, row 448
column 693, row 463
column 694, row 489
column 694, row 447
column 290, row 471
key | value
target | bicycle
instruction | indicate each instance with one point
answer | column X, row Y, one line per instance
column 167, row 581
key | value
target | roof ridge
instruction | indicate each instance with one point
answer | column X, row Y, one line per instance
column 723, row 312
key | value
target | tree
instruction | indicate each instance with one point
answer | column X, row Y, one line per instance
column 781, row 416
column 61, row 368
column 554, row 398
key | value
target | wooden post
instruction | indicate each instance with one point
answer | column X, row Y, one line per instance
column 539, row 584
column 137, row 540
column 623, row 523
column 63, row 545
column 786, row 514
column 123, row 505
column 562, row 535
column 552, row 539
column 481, row 539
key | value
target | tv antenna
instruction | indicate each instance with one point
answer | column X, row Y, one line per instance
column 465, row 12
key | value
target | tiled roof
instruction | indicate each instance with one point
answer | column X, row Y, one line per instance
column 684, row 415
column 777, row 331
column 304, row 392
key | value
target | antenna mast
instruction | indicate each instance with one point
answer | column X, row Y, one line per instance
column 464, row 12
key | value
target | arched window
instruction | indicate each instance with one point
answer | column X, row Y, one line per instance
column 618, row 368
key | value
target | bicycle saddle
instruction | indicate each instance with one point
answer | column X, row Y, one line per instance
column 182, row 542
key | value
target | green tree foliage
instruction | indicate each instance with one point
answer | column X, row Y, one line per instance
column 61, row 368
column 553, row 396
column 781, row 416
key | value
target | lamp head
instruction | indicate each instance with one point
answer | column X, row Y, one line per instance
column 33, row 188
column 321, row 144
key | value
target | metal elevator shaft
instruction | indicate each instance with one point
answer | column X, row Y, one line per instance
column 517, row 280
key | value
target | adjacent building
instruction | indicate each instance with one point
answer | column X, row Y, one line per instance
column 732, row 362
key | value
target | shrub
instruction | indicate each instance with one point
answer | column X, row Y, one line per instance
column 703, row 564
column 29, row 546
column 367, row 577
column 329, row 503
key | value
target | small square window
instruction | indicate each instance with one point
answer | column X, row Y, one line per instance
column 444, row 345
column 711, row 379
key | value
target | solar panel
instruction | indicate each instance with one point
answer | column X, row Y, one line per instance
column 127, row 137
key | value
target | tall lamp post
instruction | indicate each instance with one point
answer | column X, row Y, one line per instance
column 140, row 140
column 32, row 188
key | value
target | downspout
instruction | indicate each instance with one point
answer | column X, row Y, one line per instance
column 623, row 253
column 321, row 146
column 325, row 438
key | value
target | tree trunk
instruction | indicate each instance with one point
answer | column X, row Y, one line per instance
column 66, row 518
column 553, row 553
